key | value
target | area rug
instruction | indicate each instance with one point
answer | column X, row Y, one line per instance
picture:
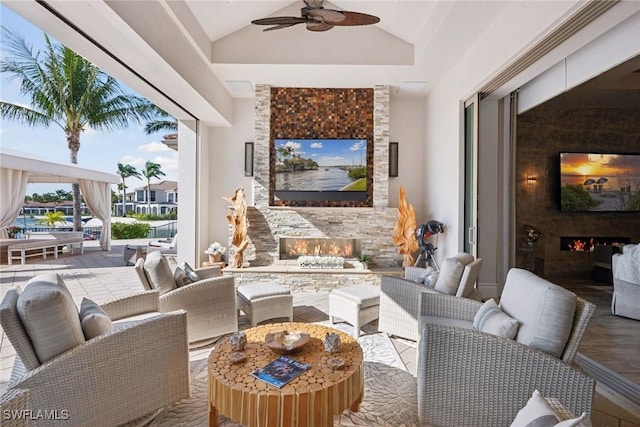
column 389, row 399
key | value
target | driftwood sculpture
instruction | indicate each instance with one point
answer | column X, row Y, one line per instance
column 404, row 232
column 237, row 217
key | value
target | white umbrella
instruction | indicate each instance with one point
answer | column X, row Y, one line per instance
column 93, row 222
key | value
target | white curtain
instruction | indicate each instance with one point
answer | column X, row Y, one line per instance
column 97, row 195
column 13, row 186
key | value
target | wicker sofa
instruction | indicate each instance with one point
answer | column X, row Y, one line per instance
column 210, row 302
column 471, row 378
column 626, row 282
column 128, row 373
column 400, row 297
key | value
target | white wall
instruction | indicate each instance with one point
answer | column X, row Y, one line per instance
column 225, row 163
column 406, row 127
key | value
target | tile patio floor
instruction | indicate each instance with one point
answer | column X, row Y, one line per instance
column 102, row 276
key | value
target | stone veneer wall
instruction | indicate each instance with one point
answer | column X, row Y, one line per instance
column 564, row 125
column 373, row 225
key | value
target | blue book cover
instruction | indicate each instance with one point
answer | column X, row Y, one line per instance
column 280, row 371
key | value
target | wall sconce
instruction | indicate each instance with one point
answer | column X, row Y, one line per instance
column 393, row 159
column 248, row 159
column 531, row 179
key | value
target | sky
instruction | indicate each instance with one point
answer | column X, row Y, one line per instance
column 98, row 150
column 329, row 152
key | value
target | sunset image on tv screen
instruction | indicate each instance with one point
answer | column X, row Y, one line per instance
column 599, row 182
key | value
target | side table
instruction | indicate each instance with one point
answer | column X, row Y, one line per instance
column 220, row 264
column 310, row 400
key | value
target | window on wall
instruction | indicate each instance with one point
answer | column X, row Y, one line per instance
column 140, row 196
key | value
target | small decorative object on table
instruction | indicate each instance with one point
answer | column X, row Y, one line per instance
column 237, row 341
column 237, row 357
column 285, row 342
column 332, row 342
column 335, row 363
column 215, row 252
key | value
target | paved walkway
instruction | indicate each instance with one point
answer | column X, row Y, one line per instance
column 103, row 276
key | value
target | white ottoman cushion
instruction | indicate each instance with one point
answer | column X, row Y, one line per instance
column 364, row 295
column 257, row 291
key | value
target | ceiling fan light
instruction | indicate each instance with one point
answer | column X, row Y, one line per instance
column 318, row 26
column 329, row 16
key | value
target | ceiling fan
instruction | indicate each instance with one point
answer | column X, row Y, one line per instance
column 317, row 18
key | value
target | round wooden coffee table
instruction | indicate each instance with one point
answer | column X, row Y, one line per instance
column 310, row 400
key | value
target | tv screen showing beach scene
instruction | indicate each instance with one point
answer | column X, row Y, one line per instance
column 598, row 182
column 321, row 165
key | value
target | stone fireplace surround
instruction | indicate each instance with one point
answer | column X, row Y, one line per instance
column 372, row 226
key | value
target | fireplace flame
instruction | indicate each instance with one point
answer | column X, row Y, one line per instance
column 319, row 247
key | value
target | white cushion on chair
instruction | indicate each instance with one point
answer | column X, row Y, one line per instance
column 50, row 317
column 545, row 310
column 256, row 291
column 159, row 273
column 94, row 319
column 451, row 273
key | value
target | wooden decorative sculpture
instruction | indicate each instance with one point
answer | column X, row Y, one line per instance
column 237, row 217
column 404, row 232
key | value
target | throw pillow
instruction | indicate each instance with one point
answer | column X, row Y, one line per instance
column 582, row 421
column 49, row 316
column 191, row 273
column 159, row 273
column 425, row 276
column 490, row 319
column 536, row 413
column 94, row 320
column 449, row 277
column 181, row 278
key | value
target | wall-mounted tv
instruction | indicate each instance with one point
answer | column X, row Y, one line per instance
column 599, row 182
column 321, row 169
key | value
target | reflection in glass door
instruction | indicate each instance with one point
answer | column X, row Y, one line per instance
column 471, row 176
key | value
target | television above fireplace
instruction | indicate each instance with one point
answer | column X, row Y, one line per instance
column 599, row 182
column 331, row 170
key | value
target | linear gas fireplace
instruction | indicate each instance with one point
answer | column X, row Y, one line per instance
column 293, row 247
column 588, row 243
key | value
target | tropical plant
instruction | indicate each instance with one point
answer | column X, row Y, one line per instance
column 164, row 122
column 52, row 218
column 151, row 170
column 68, row 91
column 126, row 171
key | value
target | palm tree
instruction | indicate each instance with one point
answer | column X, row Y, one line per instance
column 51, row 218
column 68, row 91
column 126, row 171
column 151, row 170
column 164, row 122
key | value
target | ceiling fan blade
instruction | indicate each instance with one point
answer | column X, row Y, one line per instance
column 329, row 16
column 279, row 27
column 357, row 18
column 318, row 26
column 279, row 20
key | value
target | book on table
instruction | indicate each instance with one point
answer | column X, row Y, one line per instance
column 280, row 371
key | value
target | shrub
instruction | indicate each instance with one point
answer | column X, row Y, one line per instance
column 137, row 230
column 576, row 198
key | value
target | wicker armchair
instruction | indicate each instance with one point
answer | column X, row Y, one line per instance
column 400, row 299
column 210, row 302
column 127, row 374
column 471, row 378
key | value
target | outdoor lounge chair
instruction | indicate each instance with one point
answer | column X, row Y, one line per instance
column 467, row 377
column 166, row 246
column 210, row 301
column 127, row 373
column 400, row 297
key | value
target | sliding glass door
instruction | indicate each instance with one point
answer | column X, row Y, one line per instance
column 471, row 176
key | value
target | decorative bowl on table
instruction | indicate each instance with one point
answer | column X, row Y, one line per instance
column 286, row 341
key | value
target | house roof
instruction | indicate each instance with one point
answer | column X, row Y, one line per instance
column 162, row 185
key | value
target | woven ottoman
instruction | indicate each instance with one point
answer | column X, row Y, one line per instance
column 262, row 301
column 357, row 305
